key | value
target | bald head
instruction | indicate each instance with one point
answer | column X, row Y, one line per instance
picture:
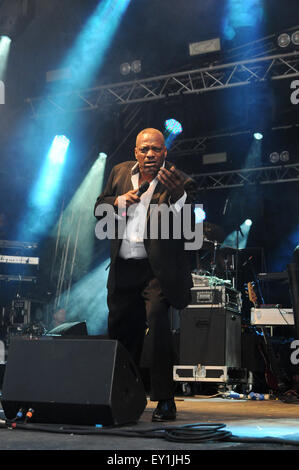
column 152, row 131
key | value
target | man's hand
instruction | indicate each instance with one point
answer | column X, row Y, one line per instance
column 127, row 199
column 173, row 181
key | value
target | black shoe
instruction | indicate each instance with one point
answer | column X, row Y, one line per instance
column 165, row 411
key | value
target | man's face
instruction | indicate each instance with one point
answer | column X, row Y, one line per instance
column 150, row 152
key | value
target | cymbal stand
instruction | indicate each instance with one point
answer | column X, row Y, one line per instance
column 214, row 263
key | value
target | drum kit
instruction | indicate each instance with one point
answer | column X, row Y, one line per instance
column 215, row 259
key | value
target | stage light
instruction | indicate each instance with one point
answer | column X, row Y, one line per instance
column 76, row 224
column 43, row 199
column 136, row 66
column 284, row 156
column 58, row 149
column 239, row 238
column 295, row 38
column 258, row 135
column 88, row 53
column 125, row 68
column 86, row 300
column 200, row 215
column 5, row 43
column 173, row 127
column 239, row 15
column 274, row 157
column 284, row 40
column 5, row 40
column 46, row 190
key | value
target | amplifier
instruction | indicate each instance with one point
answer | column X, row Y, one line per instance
column 210, row 336
column 216, row 296
column 272, row 316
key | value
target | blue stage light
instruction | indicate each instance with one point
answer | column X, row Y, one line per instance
column 173, row 126
column 44, row 196
column 258, row 135
column 58, row 149
column 238, row 238
column 200, row 215
column 239, row 15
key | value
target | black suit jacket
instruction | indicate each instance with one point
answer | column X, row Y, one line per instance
column 169, row 261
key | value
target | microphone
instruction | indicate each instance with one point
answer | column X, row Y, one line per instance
column 143, row 188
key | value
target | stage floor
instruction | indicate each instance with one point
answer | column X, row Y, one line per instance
column 243, row 418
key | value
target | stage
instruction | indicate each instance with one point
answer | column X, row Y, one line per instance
column 256, row 420
column 199, row 101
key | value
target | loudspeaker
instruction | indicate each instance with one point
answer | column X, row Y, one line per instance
column 210, row 336
column 69, row 329
column 72, row 381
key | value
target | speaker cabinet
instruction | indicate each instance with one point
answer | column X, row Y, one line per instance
column 69, row 329
column 210, row 336
column 72, row 381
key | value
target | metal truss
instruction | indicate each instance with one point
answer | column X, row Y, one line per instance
column 247, row 176
column 211, row 78
column 198, row 145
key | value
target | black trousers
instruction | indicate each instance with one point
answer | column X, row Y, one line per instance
column 137, row 305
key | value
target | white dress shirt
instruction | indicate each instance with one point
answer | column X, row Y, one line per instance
column 132, row 245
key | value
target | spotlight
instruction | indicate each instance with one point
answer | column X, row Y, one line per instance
column 295, row 38
column 258, row 135
column 200, row 215
column 59, row 148
column 136, row 66
column 173, row 127
column 5, row 39
column 285, row 156
column 5, row 43
column 284, row 40
column 274, row 157
column 248, row 222
column 125, row 68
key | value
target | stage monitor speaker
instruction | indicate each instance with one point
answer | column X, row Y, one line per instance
column 210, row 336
column 72, row 381
column 69, row 329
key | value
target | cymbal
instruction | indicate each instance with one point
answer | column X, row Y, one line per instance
column 229, row 250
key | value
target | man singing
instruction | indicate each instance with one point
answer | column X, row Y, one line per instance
column 148, row 275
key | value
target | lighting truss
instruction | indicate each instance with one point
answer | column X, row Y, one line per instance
column 247, row 176
column 197, row 145
column 214, row 77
